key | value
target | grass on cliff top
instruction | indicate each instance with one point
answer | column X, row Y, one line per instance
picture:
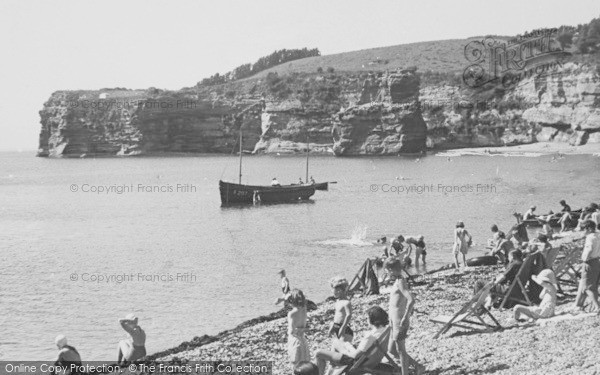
column 437, row 56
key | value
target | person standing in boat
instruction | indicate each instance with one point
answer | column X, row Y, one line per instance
column 462, row 241
column 274, row 182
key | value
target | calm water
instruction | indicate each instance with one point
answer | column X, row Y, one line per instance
column 49, row 234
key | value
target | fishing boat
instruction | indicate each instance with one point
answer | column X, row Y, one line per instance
column 236, row 194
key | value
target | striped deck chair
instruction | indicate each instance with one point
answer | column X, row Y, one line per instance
column 369, row 362
column 471, row 315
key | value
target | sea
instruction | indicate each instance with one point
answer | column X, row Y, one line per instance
column 86, row 241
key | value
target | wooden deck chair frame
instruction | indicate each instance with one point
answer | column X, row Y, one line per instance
column 471, row 309
column 358, row 368
column 517, row 283
column 565, row 268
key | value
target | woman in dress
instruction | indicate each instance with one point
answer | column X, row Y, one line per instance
column 462, row 241
column 297, row 345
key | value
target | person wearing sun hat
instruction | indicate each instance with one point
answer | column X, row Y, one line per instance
column 547, row 280
column 135, row 347
column 67, row 355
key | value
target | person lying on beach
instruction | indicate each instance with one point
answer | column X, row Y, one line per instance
column 547, row 280
column 462, row 242
column 503, row 248
column 344, row 353
column 134, row 348
column 590, row 272
column 67, row 355
column 340, row 328
column 419, row 244
column 285, row 287
column 297, row 345
column 401, row 308
column 306, row 368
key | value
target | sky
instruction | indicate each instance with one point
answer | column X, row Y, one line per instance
column 68, row 45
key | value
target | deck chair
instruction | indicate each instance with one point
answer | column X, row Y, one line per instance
column 517, row 292
column 365, row 279
column 566, row 266
column 471, row 315
column 369, row 362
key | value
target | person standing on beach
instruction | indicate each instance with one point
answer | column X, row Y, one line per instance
column 135, row 347
column 297, row 345
column 343, row 311
column 285, row 287
column 400, row 309
column 419, row 243
column 590, row 274
column 462, row 241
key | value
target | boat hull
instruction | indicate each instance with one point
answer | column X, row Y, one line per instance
column 234, row 194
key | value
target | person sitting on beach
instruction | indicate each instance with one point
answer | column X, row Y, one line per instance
column 503, row 248
column 306, row 368
column 67, row 355
column 503, row 282
column 274, row 182
column 596, row 215
column 462, row 241
column 546, row 228
column 400, row 310
column 340, row 328
column 493, row 242
column 518, row 232
column 134, row 348
column 530, row 213
column 547, row 280
column 590, row 272
column 297, row 345
column 285, row 287
column 344, row 353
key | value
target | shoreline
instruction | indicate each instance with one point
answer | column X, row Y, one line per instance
column 526, row 150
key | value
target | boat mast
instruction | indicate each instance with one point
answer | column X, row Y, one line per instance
column 240, row 155
column 307, row 150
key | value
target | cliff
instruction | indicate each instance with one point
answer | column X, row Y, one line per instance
column 347, row 113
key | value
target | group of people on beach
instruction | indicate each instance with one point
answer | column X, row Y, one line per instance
column 511, row 249
column 129, row 350
column 388, row 328
column 512, row 254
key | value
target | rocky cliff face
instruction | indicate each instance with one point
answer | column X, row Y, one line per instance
column 391, row 126
column 344, row 113
column 563, row 107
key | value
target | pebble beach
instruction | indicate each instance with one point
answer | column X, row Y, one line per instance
column 564, row 344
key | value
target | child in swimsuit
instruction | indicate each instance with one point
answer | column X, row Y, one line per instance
column 401, row 308
column 297, row 345
column 343, row 311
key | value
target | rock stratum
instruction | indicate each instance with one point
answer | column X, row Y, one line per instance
column 345, row 113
